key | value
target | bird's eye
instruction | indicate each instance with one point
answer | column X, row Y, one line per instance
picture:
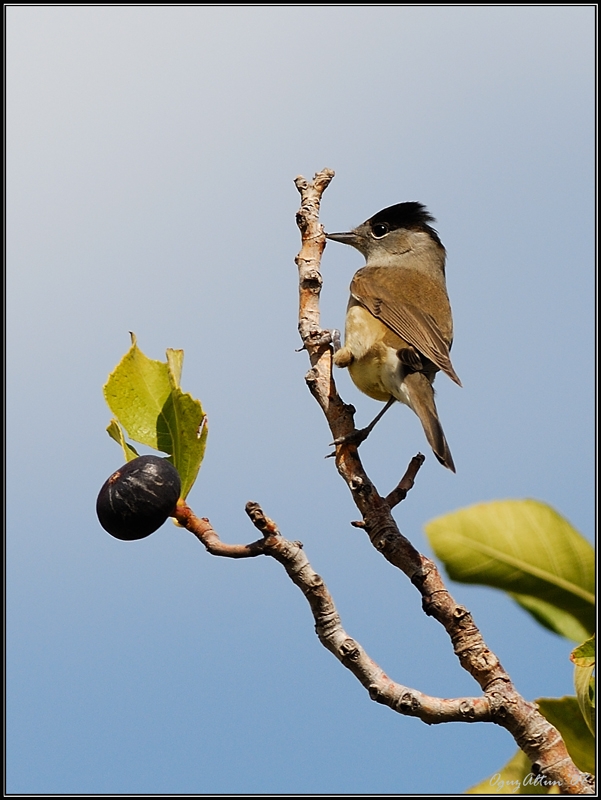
column 380, row 229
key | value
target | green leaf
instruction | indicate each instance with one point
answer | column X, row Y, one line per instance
column 115, row 431
column 584, row 680
column 136, row 392
column 565, row 715
column 146, row 398
column 514, row 778
column 530, row 551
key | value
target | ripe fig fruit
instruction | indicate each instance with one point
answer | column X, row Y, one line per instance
column 137, row 499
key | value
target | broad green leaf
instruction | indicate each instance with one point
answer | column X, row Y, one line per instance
column 527, row 549
column 146, row 398
column 136, row 392
column 514, row 778
column 565, row 715
column 584, row 680
column 115, row 431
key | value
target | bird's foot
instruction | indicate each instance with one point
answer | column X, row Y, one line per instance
column 357, row 437
column 322, row 337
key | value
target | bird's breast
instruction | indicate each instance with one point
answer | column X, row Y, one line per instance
column 375, row 368
column 362, row 330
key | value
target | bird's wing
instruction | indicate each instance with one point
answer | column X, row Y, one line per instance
column 387, row 301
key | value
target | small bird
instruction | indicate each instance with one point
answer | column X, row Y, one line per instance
column 399, row 327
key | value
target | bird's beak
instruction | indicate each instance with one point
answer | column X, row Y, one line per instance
column 348, row 237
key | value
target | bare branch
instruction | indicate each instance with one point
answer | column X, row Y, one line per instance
column 315, row 340
column 537, row 738
column 328, row 624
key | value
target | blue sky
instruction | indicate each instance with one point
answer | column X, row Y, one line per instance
column 151, row 153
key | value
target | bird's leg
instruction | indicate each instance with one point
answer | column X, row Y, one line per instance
column 359, row 436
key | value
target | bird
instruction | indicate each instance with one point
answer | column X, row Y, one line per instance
column 399, row 326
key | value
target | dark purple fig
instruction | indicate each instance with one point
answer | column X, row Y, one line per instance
column 137, row 499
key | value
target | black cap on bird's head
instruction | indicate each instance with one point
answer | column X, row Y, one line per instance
column 402, row 216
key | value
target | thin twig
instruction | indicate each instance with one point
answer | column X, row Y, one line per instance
column 203, row 530
column 406, row 483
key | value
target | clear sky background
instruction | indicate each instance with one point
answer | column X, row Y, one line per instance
column 151, row 154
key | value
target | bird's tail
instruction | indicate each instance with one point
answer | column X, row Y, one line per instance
column 421, row 395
